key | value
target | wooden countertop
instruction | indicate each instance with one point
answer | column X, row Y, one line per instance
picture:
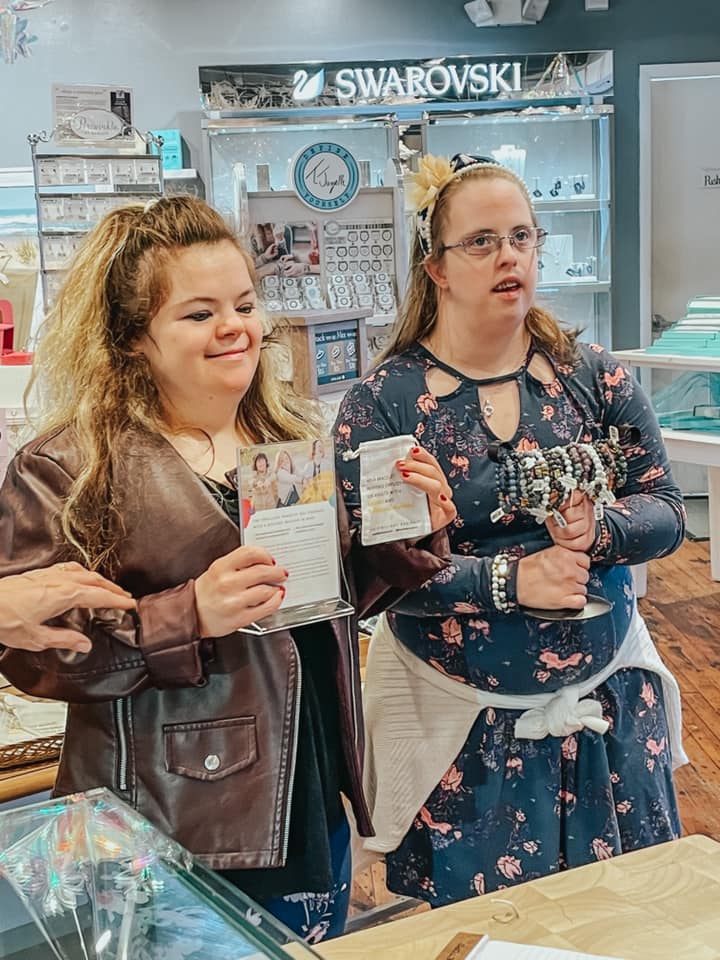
column 659, row 903
column 23, row 781
column 17, row 782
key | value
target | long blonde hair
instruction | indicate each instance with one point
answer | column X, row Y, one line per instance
column 419, row 310
column 89, row 376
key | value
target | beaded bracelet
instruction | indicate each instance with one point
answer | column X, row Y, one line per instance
column 499, row 579
column 538, row 482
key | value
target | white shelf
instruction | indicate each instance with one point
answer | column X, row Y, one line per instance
column 667, row 361
column 693, row 446
column 576, row 285
column 184, row 173
column 13, row 381
column 571, row 205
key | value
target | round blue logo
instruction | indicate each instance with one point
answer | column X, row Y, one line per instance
column 326, row 176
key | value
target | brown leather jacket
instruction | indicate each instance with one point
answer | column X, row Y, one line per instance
column 198, row 735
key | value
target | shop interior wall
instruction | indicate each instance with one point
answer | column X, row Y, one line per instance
column 156, row 47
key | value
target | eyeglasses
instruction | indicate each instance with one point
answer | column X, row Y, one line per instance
column 483, row 244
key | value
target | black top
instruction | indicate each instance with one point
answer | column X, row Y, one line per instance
column 316, row 808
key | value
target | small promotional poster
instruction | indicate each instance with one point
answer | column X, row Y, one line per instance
column 289, row 507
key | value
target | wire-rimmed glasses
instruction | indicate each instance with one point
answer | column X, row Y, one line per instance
column 484, row 243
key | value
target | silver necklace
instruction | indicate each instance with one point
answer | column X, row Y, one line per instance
column 487, row 408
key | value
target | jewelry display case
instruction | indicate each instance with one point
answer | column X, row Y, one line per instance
column 545, row 116
column 330, row 278
column 74, row 190
column 564, row 156
column 87, row 878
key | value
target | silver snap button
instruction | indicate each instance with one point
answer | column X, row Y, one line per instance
column 212, row 762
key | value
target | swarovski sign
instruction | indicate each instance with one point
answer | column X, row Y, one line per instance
column 419, row 82
column 347, row 83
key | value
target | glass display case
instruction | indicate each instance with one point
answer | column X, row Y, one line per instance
column 267, row 147
column 86, row 878
column 19, row 257
column 564, row 155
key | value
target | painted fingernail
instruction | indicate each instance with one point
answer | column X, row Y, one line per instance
column 415, row 450
column 286, row 572
column 283, row 591
column 405, row 474
column 443, row 497
column 274, row 561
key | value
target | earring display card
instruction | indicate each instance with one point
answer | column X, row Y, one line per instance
column 360, row 264
column 288, row 506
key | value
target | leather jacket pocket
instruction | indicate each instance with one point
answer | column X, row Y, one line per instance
column 211, row 749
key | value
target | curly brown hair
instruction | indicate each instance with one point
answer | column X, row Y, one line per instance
column 90, row 377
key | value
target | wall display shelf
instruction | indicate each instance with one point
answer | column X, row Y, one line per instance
column 73, row 191
column 319, row 268
column 87, row 877
column 564, row 156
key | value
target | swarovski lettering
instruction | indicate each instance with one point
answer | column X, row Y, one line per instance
column 438, row 80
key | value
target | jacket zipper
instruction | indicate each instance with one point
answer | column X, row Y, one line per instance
column 293, row 755
column 121, row 710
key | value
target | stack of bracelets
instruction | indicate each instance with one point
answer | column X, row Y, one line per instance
column 538, row 482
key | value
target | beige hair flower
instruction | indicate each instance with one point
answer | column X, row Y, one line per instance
column 433, row 175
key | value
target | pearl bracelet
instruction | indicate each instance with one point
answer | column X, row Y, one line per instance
column 499, row 579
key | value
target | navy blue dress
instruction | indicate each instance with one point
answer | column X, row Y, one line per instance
column 510, row 810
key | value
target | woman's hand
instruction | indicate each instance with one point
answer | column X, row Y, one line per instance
column 28, row 599
column 579, row 534
column 421, row 470
column 237, row 589
column 553, row 579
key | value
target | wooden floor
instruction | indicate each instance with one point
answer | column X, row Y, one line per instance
column 682, row 610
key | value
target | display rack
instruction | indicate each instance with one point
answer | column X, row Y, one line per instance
column 74, row 190
column 331, row 279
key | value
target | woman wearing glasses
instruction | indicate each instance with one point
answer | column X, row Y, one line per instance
column 463, row 800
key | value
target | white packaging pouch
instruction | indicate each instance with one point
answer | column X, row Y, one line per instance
column 391, row 509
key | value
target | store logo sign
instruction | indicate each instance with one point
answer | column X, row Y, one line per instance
column 96, row 124
column 306, row 87
column 326, row 176
column 427, row 83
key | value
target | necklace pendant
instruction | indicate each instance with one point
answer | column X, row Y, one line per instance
column 487, row 409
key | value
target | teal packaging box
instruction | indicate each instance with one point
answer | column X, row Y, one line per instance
column 172, row 149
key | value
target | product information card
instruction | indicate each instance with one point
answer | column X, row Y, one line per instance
column 289, row 507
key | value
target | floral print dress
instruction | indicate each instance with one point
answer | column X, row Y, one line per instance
column 509, row 810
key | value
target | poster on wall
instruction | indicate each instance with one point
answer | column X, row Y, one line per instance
column 287, row 263
column 85, row 113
